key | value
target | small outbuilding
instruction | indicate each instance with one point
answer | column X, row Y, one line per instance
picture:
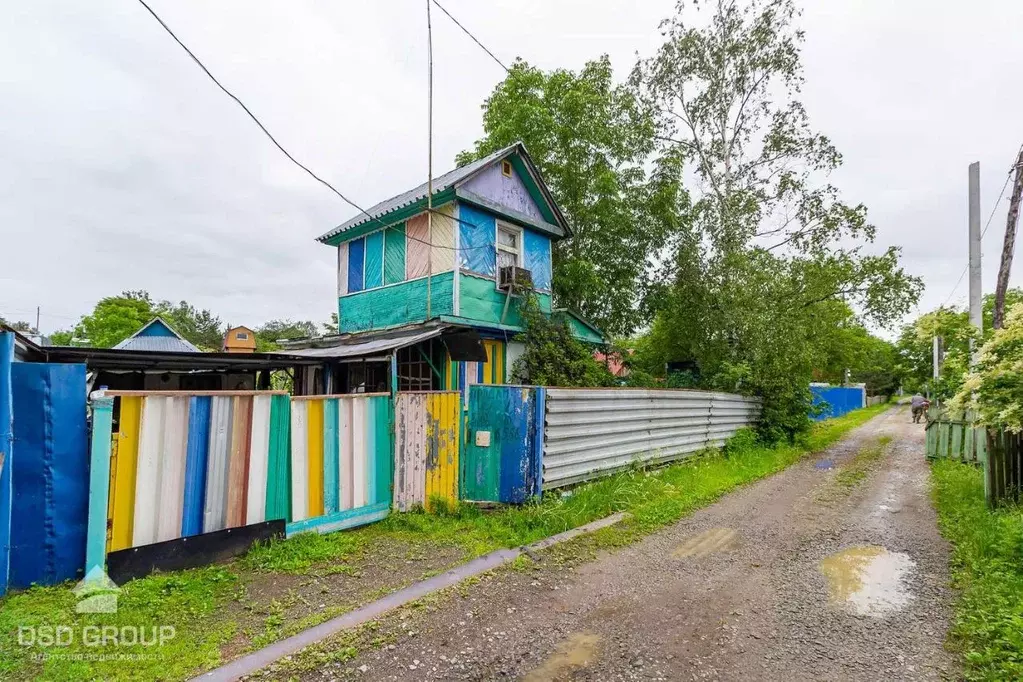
column 239, row 340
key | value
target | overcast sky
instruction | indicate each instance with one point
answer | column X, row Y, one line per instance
column 123, row 167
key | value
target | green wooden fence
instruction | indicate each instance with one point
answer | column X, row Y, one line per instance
column 955, row 435
column 1003, row 472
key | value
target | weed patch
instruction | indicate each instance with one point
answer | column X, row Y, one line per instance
column 987, row 568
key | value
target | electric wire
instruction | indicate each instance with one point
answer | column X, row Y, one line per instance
column 284, row 151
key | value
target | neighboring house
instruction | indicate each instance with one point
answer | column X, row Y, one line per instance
column 157, row 335
column 240, row 340
column 494, row 219
column 614, row 362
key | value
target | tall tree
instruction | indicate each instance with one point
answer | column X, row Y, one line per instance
column 268, row 335
column 591, row 139
column 769, row 254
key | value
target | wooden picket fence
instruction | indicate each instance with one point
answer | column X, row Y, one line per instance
column 955, row 435
column 1003, row 472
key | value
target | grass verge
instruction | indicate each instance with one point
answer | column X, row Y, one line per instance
column 221, row 611
column 987, row 568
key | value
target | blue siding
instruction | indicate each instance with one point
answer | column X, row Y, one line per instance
column 374, row 260
column 837, row 400
column 158, row 328
column 477, row 231
column 537, row 258
column 196, row 457
column 356, row 253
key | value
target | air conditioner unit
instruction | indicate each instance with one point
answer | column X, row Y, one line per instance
column 513, row 278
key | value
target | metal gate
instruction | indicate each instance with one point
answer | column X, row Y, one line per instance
column 50, row 473
column 504, row 444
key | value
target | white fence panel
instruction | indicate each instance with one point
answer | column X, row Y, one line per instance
column 594, row 432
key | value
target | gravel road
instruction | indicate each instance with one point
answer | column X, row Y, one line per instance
column 812, row 574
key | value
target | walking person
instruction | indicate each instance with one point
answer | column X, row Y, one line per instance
column 919, row 405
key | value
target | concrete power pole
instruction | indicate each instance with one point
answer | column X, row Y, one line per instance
column 1009, row 245
column 976, row 294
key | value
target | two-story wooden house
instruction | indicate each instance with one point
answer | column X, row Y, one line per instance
column 459, row 276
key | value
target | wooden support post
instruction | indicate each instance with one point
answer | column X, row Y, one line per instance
column 99, row 482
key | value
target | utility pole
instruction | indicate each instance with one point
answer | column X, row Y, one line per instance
column 429, row 158
column 1009, row 245
column 37, row 319
column 976, row 312
column 936, row 361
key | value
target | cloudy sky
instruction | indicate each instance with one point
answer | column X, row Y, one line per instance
column 123, row 167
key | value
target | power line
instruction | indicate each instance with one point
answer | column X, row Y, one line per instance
column 1001, row 195
column 474, row 38
column 278, row 144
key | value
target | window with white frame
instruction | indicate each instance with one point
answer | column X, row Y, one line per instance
column 509, row 246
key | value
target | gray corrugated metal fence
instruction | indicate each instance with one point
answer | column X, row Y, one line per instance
column 593, row 432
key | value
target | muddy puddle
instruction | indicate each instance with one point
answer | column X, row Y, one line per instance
column 868, row 579
column 577, row 651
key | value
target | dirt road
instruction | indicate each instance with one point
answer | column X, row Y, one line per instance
column 832, row 569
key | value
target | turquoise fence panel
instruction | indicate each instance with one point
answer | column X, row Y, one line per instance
column 502, row 455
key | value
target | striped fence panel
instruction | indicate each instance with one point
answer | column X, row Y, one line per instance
column 185, row 464
column 427, row 428
column 340, row 461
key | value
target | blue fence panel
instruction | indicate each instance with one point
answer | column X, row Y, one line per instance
column 51, row 473
column 6, row 459
column 501, row 460
column 837, row 400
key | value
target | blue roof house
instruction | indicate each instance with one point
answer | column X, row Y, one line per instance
column 159, row 336
column 493, row 225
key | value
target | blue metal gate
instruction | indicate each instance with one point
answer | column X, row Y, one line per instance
column 504, row 444
column 50, row 473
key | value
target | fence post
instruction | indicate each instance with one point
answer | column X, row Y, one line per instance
column 99, row 482
column 6, row 456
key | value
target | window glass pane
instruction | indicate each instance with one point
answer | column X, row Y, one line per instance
column 508, row 238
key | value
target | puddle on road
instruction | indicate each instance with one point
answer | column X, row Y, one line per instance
column 825, row 464
column 869, row 579
column 707, row 542
column 577, row 651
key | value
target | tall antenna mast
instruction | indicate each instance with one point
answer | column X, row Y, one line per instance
column 429, row 159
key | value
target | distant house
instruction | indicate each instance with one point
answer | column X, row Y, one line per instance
column 443, row 293
column 158, row 336
column 240, row 340
column 614, row 362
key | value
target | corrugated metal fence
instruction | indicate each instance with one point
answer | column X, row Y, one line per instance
column 340, row 461
column 427, row 438
column 594, row 432
column 184, row 464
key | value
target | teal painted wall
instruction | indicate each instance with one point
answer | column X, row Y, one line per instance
column 480, row 300
column 396, row 305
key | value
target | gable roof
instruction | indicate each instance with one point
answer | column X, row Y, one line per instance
column 445, row 184
column 172, row 343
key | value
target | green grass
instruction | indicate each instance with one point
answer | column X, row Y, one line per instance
column 987, row 568
column 855, row 472
column 199, row 602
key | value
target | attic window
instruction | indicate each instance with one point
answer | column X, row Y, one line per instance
column 506, row 168
column 242, row 336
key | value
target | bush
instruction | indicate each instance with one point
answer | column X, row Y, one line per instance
column 553, row 357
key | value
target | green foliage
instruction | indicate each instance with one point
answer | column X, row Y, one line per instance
column 995, row 386
column 268, row 335
column 591, row 139
column 987, row 569
column 115, row 318
column 552, row 356
column 19, row 326
column 768, row 262
column 952, row 326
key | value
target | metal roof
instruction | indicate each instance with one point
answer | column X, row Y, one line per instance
column 440, row 184
column 356, row 347
column 157, row 344
column 121, row 359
